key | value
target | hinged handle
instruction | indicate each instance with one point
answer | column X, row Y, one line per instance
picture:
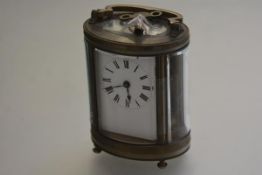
column 172, row 16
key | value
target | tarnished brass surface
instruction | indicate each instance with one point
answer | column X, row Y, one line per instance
column 176, row 39
column 152, row 152
column 161, row 47
column 161, row 98
column 127, row 139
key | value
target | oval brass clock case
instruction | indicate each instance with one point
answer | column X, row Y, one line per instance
column 162, row 47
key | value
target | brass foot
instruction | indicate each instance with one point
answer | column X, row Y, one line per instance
column 97, row 150
column 162, row 164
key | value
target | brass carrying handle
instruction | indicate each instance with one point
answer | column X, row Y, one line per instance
column 172, row 16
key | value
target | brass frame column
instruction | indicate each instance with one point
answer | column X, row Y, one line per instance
column 161, row 98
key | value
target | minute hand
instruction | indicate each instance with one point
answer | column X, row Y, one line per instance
column 117, row 86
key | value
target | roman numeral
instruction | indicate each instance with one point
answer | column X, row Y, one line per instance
column 137, row 104
column 116, row 64
column 127, row 103
column 109, row 70
column 106, row 79
column 143, row 96
column 136, row 68
column 126, row 64
column 146, row 88
column 143, row 77
column 109, row 89
column 116, row 98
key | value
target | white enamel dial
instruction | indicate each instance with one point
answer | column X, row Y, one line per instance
column 126, row 97
column 126, row 83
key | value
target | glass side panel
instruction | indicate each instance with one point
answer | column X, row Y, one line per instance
column 177, row 95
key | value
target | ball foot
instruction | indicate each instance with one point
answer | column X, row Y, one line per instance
column 162, row 164
column 97, row 150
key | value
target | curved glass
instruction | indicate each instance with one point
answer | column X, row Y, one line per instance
column 177, row 95
column 138, row 99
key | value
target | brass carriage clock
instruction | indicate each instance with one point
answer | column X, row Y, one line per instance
column 137, row 82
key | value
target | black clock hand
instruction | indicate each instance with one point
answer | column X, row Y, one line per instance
column 128, row 98
column 126, row 84
column 128, row 94
column 117, row 86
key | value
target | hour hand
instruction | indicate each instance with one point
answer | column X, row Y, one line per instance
column 128, row 94
column 128, row 101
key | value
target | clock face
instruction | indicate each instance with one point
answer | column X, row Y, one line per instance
column 126, row 83
column 126, row 97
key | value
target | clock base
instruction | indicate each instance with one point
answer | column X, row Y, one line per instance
column 152, row 152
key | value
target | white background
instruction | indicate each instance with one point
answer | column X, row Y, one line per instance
column 44, row 113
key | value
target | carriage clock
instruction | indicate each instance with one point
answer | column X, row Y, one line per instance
column 137, row 82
